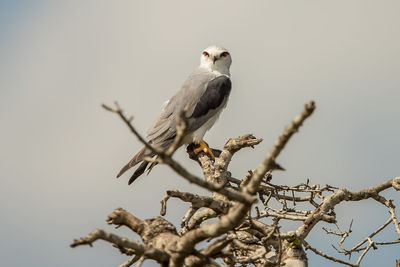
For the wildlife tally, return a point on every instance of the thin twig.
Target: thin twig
(308, 246)
(371, 244)
(131, 261)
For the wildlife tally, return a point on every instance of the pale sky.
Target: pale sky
(60, 152)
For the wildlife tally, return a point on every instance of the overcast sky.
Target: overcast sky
(60, 151)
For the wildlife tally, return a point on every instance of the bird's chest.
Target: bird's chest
(197, 136)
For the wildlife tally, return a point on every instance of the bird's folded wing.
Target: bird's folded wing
(202, 96)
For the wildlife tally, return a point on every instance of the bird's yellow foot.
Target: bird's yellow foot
(203, 146)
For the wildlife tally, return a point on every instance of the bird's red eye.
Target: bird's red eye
(224, 54)
(205, 54)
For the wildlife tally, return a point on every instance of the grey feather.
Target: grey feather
(139, 171)
(144, 152)
(189, 97)
(210, 102)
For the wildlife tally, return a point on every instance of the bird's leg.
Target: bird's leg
(203, 146)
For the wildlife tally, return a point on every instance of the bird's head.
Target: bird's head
(217, 59)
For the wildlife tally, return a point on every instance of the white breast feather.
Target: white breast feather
(197, 136)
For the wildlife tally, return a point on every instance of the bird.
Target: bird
(293, 253)
(201, 99)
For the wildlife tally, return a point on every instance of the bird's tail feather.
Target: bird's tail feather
(135, 160)
(139, 171)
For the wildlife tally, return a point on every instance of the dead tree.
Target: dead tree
(239, 235)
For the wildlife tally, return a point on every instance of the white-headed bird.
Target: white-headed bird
(202, 98)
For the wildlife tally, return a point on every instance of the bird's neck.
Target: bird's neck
(217, 69)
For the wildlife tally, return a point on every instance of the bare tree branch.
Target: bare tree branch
(327, 256)
(178, 168)
(244, 237)
(332, 200)
(269, 160)
(139, 249)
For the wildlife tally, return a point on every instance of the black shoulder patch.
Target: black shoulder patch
(217, 90)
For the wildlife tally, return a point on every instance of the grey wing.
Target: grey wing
(202, 95)
(211, 101)
(161, 129)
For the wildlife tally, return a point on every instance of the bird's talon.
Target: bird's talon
(203, 146)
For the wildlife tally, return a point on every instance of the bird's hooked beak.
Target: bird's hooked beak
(214, 59)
